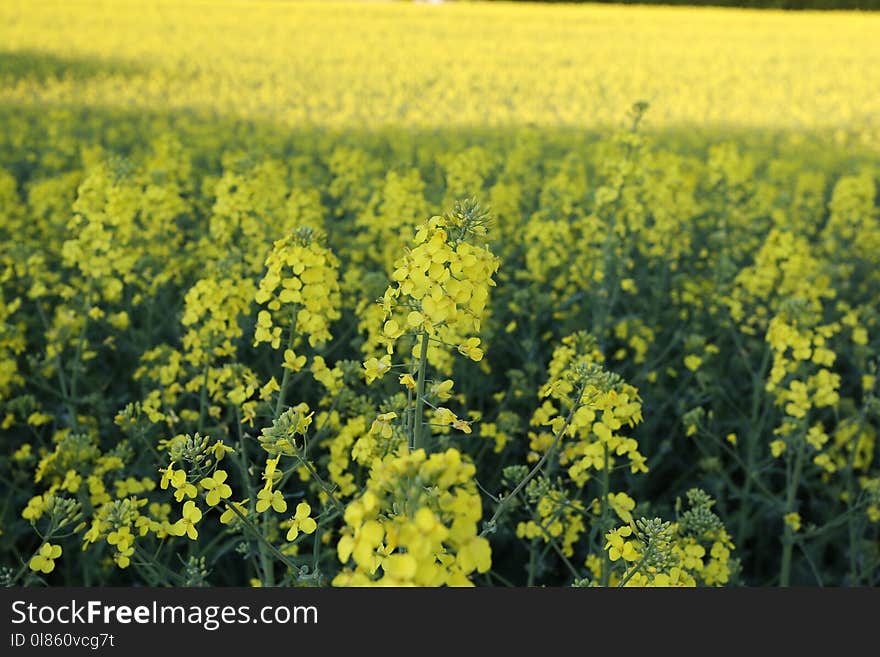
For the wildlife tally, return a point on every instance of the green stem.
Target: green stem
(408, 415)
(755, 430)
(316, 553)
(167, 576)
(550, 539)
(533, 562)
(285, 378)
(418, 440)
(325, 488)
(26, 565)
(80, 347)
(203, 401)
(490, 526)
(60, 370)
(241, 457)
(265, 545)
(603, 518)
(851, 494)
(788, 536)
(831, 525)
(629, 575)
(263, 541)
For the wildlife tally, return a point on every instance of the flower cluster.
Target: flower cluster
(300, 291)
(416, 524)
(441, 287)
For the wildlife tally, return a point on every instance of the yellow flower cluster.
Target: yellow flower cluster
(557, 518)
(300, 290)
(694, 551)
(791, 347)
(212, 310)
(416, 524)
(441, 288)
(598, 404)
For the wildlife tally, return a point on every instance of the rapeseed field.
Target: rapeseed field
(301, 294)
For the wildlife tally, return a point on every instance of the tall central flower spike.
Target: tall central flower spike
(435, 305)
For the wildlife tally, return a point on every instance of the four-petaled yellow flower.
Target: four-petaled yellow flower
(44, 560)
(471, 349)
(267, 390)
(216, 487)
(618, 546)
(362, 546)
(622, 504)
(382, 424)
(301, 522)
(375, 368)
(293, 362)
(182, 487)
(123, 557)
(123, 539)
(187, 524)
(273, 498)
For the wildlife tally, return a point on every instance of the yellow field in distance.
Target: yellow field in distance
(369, 65)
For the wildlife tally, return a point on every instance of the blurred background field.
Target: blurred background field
(372, 65)
(257, 75)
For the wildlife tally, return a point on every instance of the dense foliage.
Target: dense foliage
(255, 330)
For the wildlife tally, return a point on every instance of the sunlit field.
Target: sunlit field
(370, 65)
(400, 294)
